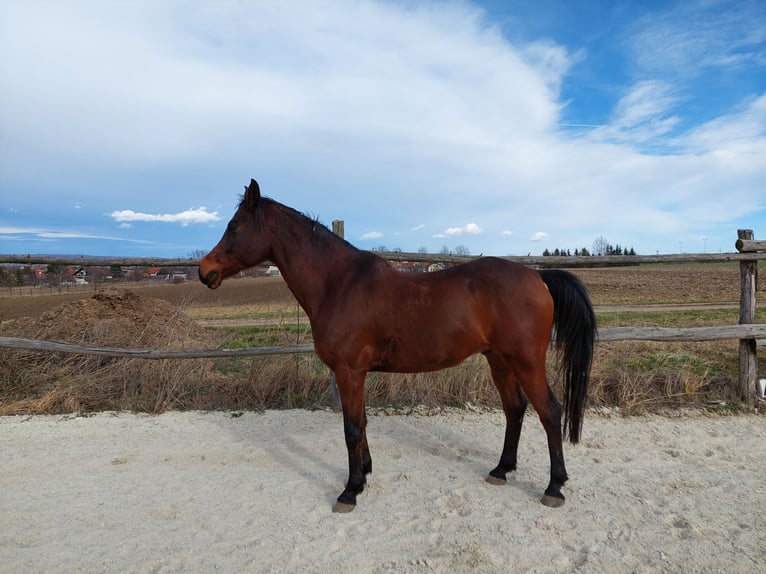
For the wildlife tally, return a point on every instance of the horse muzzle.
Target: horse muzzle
(212, 279)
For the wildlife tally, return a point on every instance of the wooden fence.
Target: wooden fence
(747, 331)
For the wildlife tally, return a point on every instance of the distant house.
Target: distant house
(40, 271)
(153, 273)
(179, 276)
(272, 271)
(78, 275)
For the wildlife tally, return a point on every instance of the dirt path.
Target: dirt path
(198, 492)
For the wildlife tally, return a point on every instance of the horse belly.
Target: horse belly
(421, 351)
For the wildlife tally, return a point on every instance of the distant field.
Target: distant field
(640, 285)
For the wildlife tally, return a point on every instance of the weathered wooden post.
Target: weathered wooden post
(338, 228)
(748, 356)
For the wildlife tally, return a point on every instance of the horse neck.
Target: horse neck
(307, 254)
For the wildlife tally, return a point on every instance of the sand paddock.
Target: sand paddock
(253, 492)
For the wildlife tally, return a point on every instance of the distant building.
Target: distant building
(78, 275)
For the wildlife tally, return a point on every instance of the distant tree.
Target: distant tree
(97, 274)
(600, 246)
(55, 273)
(423, 249)
(546, 253)
(26, 275)
(379, 248)
(10, 277)
(445, 250)
(197, 254)
(115, 271)
(462, 250)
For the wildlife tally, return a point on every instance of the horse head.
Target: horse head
(243, 245)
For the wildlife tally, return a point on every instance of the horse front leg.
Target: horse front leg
(514, 407)
(351, 389)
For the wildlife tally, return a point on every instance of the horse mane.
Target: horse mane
(321, 234)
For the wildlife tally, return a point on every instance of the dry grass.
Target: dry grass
(634, 376)
(33, 382)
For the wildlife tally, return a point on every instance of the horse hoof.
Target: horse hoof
(343, 507)
(496, 481)
(552, 501)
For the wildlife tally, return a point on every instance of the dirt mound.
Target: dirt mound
(114, 318)
(110, 318)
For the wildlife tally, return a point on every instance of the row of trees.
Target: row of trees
(459, 250)
(567, 253)
(601, 246)
(612, 250)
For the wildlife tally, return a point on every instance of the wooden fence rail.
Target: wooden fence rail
(531, 260)
(667, 334)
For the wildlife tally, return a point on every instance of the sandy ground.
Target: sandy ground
(204, 492)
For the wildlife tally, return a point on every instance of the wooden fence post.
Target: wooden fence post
(748, 356)
(338, 228)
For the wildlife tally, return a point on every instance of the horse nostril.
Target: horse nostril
(209, 279)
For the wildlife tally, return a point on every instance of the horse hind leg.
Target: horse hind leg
(548, 409)
(528, 376)
(514, 407)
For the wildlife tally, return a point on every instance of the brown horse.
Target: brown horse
(367, 316)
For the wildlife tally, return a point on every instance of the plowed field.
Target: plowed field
(704, 284)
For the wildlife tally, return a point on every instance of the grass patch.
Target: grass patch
(241, 337)
(247, 312)
(675, 317)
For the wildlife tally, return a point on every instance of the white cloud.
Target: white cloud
(188, 81)
(539, 236)
(642, 114)
(43, 233)
(506, 233)
(470, 228)
(418, 227)
(372, 235)
(190, 216)
(688, 37)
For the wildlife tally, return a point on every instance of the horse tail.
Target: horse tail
(574, 322)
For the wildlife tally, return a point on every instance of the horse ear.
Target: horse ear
(252, 194)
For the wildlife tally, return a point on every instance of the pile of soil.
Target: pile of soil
(113, 317)
(32, 381)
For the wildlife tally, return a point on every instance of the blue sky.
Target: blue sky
(130, 128)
